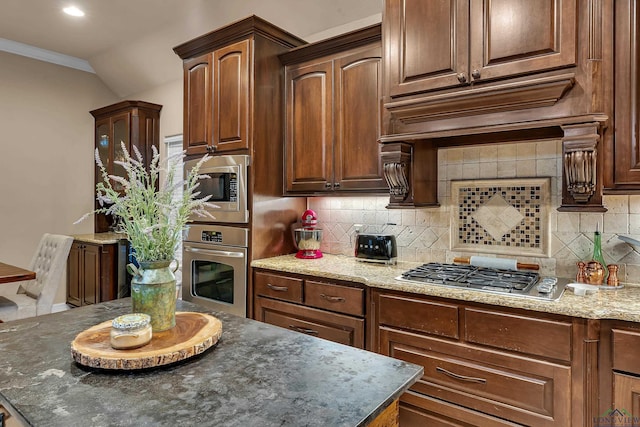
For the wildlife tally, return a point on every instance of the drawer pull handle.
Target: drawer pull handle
(277, 288)
(303, 330)
(461, 377)
(331, 298)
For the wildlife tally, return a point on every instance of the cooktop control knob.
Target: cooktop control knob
(546, 285)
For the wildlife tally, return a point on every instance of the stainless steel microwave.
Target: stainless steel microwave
(227, 185)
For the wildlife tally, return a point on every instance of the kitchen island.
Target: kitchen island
(257, 375)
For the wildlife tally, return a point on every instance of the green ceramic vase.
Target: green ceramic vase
(153, 292)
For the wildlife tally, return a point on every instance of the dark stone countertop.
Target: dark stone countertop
(257, 375)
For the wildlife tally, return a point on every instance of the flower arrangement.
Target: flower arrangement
(144, 210)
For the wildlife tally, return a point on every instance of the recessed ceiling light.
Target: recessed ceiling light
(73, 11)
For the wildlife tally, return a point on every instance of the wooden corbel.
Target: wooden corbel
(582, 168)
(411, 170)
(396, 165)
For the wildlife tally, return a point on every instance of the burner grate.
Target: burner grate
(515, 283)
(473, 277)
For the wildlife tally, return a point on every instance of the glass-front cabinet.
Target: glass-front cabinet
(128, 123)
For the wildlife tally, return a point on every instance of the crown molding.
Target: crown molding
(45, 55)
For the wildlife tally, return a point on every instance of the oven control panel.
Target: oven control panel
(211, 236)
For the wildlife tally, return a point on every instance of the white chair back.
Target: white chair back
(35, 297)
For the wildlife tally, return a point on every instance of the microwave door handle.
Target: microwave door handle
(214, 252)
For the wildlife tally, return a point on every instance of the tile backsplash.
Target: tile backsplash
(424, 234)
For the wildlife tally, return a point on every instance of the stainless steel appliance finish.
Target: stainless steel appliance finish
(227, 186)
(214, 261)
(516, 283)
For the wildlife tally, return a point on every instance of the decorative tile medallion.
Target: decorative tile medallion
(509, 217)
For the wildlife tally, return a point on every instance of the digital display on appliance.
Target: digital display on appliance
(211, 236)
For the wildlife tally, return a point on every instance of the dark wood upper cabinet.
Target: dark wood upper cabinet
(197, 96)
(333, 91)
(357, 93)
(426, 54)
(510, 37)
(229, 76)
(134, 123)
(309, 127)
(216, 99)
(231, 96)
(622, 157)
(439, 44)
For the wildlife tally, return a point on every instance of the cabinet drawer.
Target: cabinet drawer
(625, 351)
(343, 299)
(522, 390)
(424, 316)
(538, 337)
(281, 287)
(417, 410)
(333, 327)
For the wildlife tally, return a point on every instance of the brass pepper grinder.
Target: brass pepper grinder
(613, 275)
(582, 269)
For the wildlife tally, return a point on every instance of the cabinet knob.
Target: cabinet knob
(327, 185)
(462, 78)
(475, 74)
(336, 185)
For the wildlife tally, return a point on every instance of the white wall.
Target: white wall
(46, 152)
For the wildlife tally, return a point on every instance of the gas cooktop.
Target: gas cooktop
(516, 283)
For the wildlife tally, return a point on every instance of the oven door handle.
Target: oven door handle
(227, 254)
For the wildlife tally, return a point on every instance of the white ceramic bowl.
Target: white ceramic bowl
(583, 289)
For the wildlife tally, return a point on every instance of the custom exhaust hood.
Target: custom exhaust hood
(484, 82)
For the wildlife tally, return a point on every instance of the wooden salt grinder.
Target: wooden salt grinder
(612, 280)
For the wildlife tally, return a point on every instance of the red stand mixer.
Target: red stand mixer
(308, 238)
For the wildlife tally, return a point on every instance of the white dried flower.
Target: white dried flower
(151, 218)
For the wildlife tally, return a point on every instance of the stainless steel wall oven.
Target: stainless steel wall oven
(215, 267)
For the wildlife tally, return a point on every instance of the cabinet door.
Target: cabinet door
(358, 90)
(626, 398)
(511, 37)
(426, 45)
(90, 274)
(120, 129)
(309, 131)
(111, 133)
(197, 102)
(231, 81)
(626, 153)
(74, 275)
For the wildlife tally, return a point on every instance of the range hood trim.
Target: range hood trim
(504, 129)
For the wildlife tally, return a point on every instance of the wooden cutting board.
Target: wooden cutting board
(193, 334)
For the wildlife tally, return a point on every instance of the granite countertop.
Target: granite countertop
(623, 304)
(257, 374)
(100, 238)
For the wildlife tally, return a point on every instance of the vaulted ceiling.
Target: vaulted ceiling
(129, 42)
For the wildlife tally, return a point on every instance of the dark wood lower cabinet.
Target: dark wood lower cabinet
(619, 368)
(333, 311)
(92, 273)
(482, 366)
